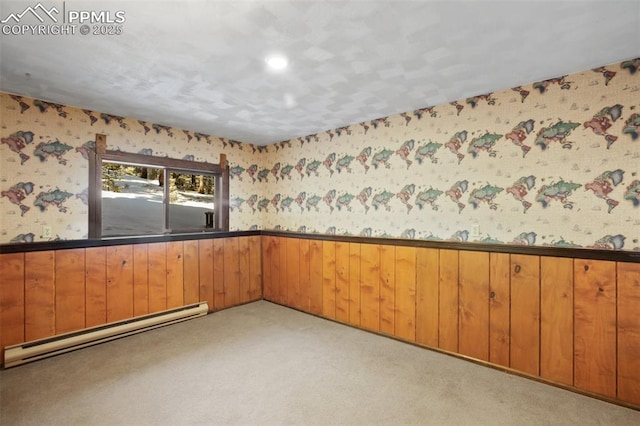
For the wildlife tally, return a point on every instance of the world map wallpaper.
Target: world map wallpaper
(551, 163)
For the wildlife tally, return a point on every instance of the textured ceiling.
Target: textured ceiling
(200, 65)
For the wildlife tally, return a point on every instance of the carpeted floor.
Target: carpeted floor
(263, 364)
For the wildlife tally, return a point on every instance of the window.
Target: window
(141, 195)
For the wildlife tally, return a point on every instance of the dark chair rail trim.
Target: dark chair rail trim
(72, 244)
(579, 253)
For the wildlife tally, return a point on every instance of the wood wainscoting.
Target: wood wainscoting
(44, 293)
(568, 321)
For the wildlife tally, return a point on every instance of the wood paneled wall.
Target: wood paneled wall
(45, 293)
(574, 322)
(569, 321)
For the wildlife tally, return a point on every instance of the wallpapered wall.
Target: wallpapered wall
(44, 164)
(555, 162)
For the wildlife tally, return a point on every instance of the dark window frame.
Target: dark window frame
(220, 172)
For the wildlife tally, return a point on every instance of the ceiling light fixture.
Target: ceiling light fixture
(277, 62)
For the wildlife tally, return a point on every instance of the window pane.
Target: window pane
(131, 200)
(190, 201)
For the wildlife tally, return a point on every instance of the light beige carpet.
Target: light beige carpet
(263, 364)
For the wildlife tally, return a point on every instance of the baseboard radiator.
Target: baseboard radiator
(38, 349)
